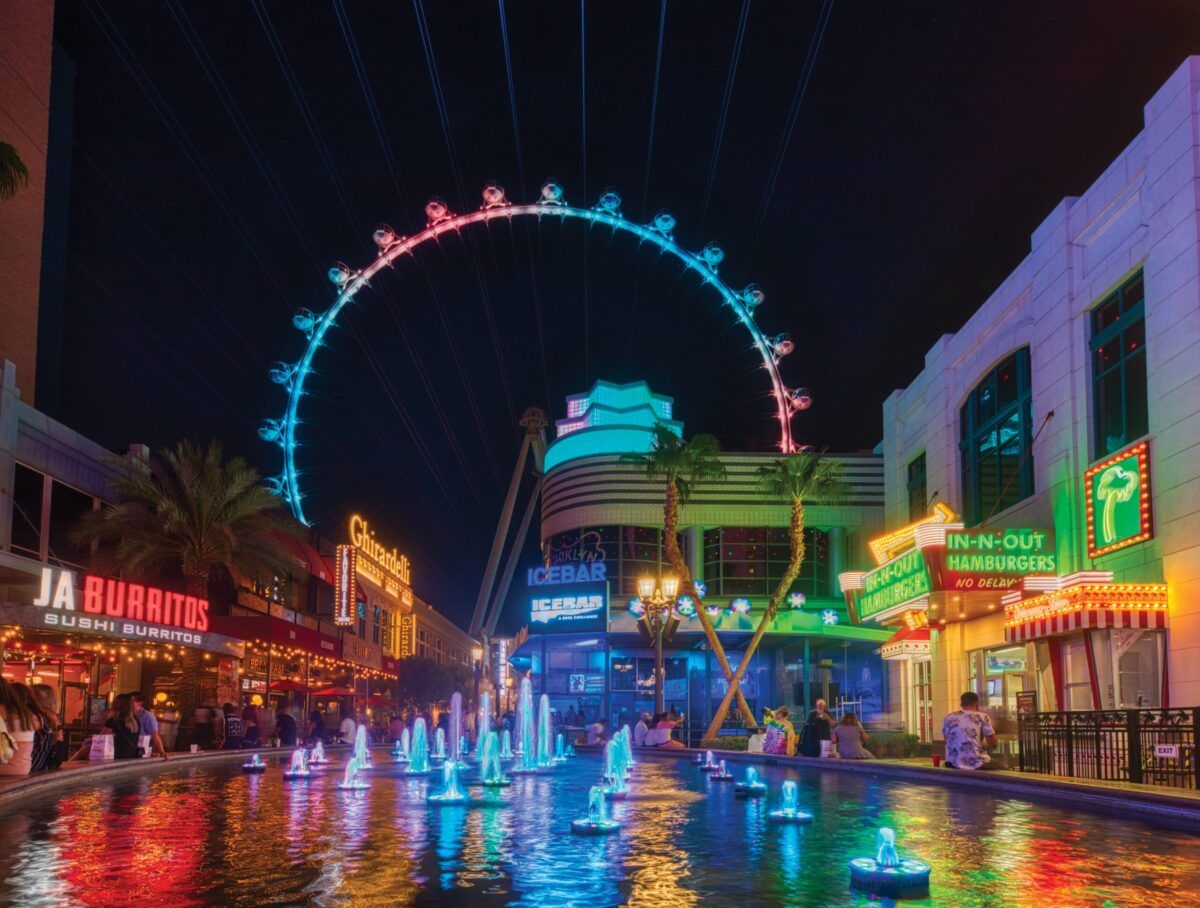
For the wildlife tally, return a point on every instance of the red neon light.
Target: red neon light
(137, 602)
(345, 585)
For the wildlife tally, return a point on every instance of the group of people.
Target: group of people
(656, 730)
(31, 736)
(846, 737)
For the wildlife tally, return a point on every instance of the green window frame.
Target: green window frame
(1118, 348)
(996, 439)
(918, 491)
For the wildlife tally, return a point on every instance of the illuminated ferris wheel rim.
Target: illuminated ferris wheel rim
(496, 207)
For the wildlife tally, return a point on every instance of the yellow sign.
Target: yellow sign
(886, 547)
(407, 632)
(388, 569)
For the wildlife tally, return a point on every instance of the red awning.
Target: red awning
(906, 643)
(270, 629)
(309, 557)
(288, 686)
(333, 692)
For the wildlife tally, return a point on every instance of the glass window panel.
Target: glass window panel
(1108, 355)
(67, 507)
(1109, 407)
(1107, 314)
(1006, 383)
(1133, 293)
(27, 511)
(1136, 419)
(1134, 337)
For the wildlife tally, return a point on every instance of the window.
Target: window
(996, 440)
(27, 512)
(750, 561)
(375, 623)
(67, 507)
(627, 553)
(362, 620)
(1119, 367)
(918, 495)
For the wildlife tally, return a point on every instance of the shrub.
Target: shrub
(893, 744)
(725, 742)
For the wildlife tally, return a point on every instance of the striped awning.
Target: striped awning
(907, 643)
(1082, 619)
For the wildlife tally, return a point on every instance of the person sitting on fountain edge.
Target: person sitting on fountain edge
(968, 733)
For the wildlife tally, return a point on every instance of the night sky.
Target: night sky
(226, 154)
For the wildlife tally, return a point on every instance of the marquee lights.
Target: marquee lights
(886, 547)
(1089, 597)
(497, 207)
(345, 585)
(374, 551)
(1117, 498)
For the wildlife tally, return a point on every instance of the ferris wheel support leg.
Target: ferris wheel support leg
(489, 574)
(514, 555)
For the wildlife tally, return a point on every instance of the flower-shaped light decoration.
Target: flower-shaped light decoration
(636, 608)
(713, 610)
(829, 616)
(700, 587)
(739, 606)
(796, 599)
(685, 607)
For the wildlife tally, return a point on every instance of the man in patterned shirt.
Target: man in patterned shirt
(967, 733)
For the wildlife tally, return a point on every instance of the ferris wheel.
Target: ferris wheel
(496, 206)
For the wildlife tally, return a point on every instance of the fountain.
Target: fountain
(627, 745)
(526, 760)
(545, 733)
(560, 749)
(614, 770)
(721, 774)
(400, 751)
(452, 792)
(418, 761)
(887, 874)
(483, 724)
(489, 764)
(299, 765)
(254, 764)
(351, 781)
(752, 787)
(570, 750)
(506, 745)
(317, 757)
(439, 745)
(464, 749)
(709, 764)
(456, 725)
(597, 821)
(790, 812)
(361, 753)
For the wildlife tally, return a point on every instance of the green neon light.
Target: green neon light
(898, 581)
(1010, 551)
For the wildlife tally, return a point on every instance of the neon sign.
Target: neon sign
(121, 599)
(391, 562)
(578, 607)
(345, 585)
(979, 560)
(899, 581)
(567, 572)
(891, 544)
(1117, 493)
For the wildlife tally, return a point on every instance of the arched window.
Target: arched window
(995, 440)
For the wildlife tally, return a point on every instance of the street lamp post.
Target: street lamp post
(659, 601)
(477, 658)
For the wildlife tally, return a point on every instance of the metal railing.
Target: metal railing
(1150, 746)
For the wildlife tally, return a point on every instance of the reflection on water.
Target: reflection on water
(204, 835)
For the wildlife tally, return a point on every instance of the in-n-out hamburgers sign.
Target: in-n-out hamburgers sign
(118, 608)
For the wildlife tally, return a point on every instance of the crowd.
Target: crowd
(31, 738)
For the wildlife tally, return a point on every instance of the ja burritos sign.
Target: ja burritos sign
(108, 607)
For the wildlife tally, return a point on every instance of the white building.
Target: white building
(1089, 347)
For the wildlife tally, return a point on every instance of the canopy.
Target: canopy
(333, 692)
(288, 685)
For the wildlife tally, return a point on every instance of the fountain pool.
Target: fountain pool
(214, 835)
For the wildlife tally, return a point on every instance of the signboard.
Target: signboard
(408, 630)
(1166, 751)
(79, 622)
(586, 548)
(360, 652)
(900, 580)
(991, 560)
(386, 568)
(345, 585)
(1027, 704)
(120, 599)
(568, 608)
(567, 573)
(1117, 496)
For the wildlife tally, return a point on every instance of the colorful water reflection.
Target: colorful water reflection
(213, 835)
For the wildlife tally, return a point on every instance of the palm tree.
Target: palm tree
(682, 465)
(799, 477)
(192, 513)
(13, 172)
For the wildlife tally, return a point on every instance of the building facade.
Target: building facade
(601, 530)
(1050, 450)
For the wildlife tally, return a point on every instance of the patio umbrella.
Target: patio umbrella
(333, 692)
(377, 700)
(288, 685)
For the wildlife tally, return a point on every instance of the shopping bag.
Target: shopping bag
(144, 745)
(827, 749)
(102, 748)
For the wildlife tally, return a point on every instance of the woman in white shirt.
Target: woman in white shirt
(17, 709)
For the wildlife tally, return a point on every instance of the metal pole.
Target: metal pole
(489, 574)
(514, 555)
(658, 666)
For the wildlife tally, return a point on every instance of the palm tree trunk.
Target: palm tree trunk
(675, 558)
(796, 537)
(196, 580)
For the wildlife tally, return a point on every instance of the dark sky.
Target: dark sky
(212, 187)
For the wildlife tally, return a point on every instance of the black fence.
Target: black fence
(1152, 746)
